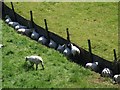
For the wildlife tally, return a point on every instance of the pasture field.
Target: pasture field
(58, 72)
(94, 20)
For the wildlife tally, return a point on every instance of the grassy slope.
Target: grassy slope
(59, 72)
(95, 21)
(0, 55)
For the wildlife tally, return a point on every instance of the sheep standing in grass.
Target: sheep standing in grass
(116, 79)
(7, 19)
(106, 72)
(35, 35)
(42, 40)
(93, 66)
(35, 60)
(52, 44)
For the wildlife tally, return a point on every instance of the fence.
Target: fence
(81, 59)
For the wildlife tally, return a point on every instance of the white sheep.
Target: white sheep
(35, 60)
(13, 24)
(116, 78)
(106, 72)
(74, 50)
(1, 45)
(67, 52)
(35, 35)
(61, 48)
(93, 66)
(52, 44)
(20, 27)
(7, 19)
(42, 40)
(25, 31)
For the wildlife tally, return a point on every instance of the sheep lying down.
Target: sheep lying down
(35, 60)
(116, 79)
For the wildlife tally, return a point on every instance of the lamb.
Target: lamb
(42, 40)
(116, 79)
(106, 72)
(35, 35)
(13, 24)
(52, 44)
(25, 31)
(7, 19)
(67, 52)
(74, 50)
(20, 27)
(93, 66)
(35, 60)
(61, 48)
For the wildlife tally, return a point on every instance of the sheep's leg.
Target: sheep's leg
(36, 66)
(42, 65)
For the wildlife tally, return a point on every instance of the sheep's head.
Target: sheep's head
(96, 63)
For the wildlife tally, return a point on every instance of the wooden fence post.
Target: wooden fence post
(68, 36)
(15, 18)
(31, 19)
(90, 50)
(2, 12)
(46, 28)
(115, 57)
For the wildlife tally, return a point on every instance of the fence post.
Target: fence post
(115, 57)
(68, 36)
(46, 28)
(31, 19)
(2, 12)
(15, 18)
(90, 50)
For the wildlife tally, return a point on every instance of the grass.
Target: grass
(58, 73)
(95, 21)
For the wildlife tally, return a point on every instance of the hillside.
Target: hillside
(95, 21)
(58, 73)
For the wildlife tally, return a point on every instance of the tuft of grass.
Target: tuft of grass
(58, 73)
(97, 21)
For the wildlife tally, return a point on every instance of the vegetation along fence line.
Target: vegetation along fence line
(81, 59)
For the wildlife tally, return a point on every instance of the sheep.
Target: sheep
(25, 31)
(74, 50)
(61, 48)
(13, 24)
(1, 45)
(42, 40)
(93, 66)
(67, 52)
(35, 60)
(106, 72)
(52, 44)
(116, 79)
(35, 35)
(20, 27)
(7, 19)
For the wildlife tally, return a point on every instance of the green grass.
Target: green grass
(58, 73)
(95, 21)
